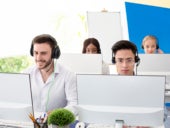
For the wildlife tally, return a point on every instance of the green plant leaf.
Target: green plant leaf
(61, 117)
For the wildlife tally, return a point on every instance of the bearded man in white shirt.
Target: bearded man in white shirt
(53, 86)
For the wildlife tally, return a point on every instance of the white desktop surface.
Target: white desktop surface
(10, 123)
(110, 126)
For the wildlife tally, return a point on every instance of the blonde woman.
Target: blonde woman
(150, 45)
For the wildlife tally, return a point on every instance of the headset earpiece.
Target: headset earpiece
(137, 59)
(56, 52)
(31, 50)
(113, 60)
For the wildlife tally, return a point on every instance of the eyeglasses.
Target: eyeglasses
(128, 61)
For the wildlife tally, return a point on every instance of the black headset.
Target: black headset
(55, 51)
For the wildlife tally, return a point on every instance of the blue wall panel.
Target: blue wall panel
(144, 19)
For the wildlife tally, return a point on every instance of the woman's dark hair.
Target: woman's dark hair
(93, 41)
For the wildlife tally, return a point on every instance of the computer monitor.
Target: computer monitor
(154, 64)
(15, 97)
(108, 99)
(82, 63)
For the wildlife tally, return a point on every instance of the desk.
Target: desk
(109, 126)
(167, 125)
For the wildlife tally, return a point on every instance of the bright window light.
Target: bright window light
(22, 20)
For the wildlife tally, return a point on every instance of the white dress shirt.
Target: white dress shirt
(57, 92)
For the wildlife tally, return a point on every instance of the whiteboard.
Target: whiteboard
(106, 27)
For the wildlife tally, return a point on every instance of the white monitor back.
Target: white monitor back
(154, 64)
(137, 100)
(82, 63)
(15, 97)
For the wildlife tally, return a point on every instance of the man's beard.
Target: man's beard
(47, 65)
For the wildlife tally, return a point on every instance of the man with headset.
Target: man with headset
(124, 56)
(52, 85)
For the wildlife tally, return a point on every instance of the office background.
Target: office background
(21, 22)
(66, 21)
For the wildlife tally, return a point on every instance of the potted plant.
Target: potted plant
(60, 118)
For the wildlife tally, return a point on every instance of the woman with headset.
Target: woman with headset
(150, 45)
(53, 86)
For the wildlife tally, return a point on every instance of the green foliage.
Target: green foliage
(14, 64)
(61, 117)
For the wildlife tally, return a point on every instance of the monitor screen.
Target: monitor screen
(135, 100)
(82, 63)
(15, 97)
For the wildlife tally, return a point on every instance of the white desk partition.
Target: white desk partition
(134, 100)
(15, 97)
(82, 63)
(154, 64)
